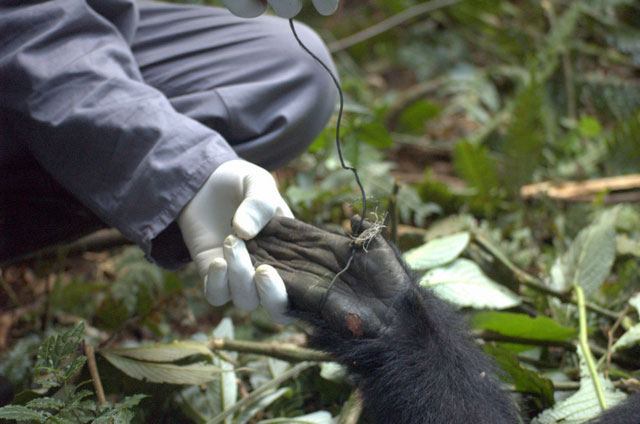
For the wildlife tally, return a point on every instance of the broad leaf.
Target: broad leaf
(463, 283)
(20, 413)
(521, 325)
(154, 372)
(437, 252)
(162, 352)
(582, 405)
(590, 257)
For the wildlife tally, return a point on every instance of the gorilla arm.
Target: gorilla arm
(408, 351)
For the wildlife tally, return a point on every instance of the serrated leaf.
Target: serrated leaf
(74, 367)
(463, 284)
(437, 252)
(153, 372)
(319, 417)
(20, 413)
(521, 325)
(46, 403)
(590, 257)
(168, 352)
(630, 338)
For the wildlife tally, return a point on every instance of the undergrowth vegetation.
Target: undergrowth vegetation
(502, 140)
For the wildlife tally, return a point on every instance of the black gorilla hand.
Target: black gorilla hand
(361, 300)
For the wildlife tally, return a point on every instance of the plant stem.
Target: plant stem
(284, 351)
(352, 408)
(584, 345)
(95, 376)
(292, 372)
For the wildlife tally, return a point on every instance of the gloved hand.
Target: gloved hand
(284, 8)
(361, 302)
(239, 197)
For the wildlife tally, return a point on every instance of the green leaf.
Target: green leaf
(46, 403)
(163, 352)
(521, 325)
(437, 252)
(119, 413)
(524, 138)
(525, 381)
(21, 413)
(473, 163)
(74, 367)
(154, 372)
(374, 134)
(463, 284)
(590, 257)
(228, 387)
(415, 117)
(589, 126)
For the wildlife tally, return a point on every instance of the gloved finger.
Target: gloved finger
(325, 7)
(245, 8)
(251, 216)
(204, 259)
(283, 210)
(286, 8)
(272, 293)
(216, 287)
(240, 273)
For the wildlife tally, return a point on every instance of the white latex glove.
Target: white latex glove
(284, 8)
(238, 198)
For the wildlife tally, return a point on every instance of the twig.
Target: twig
(352, 408)
(584, 345)
(611, 332)
(284, 351)
(570, 190)
(292, 372)
(93, 370)
(389, 23)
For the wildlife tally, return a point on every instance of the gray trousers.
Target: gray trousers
(244, 78)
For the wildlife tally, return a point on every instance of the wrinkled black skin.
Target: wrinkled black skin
(409, 352)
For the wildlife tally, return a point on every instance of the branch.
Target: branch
(389, 23)
(284, 351)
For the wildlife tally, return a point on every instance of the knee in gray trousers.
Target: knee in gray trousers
(248, 79)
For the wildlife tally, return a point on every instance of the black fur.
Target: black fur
(626, 413)
(423, 370)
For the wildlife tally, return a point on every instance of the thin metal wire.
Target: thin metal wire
(342, 163)
(338, 123)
